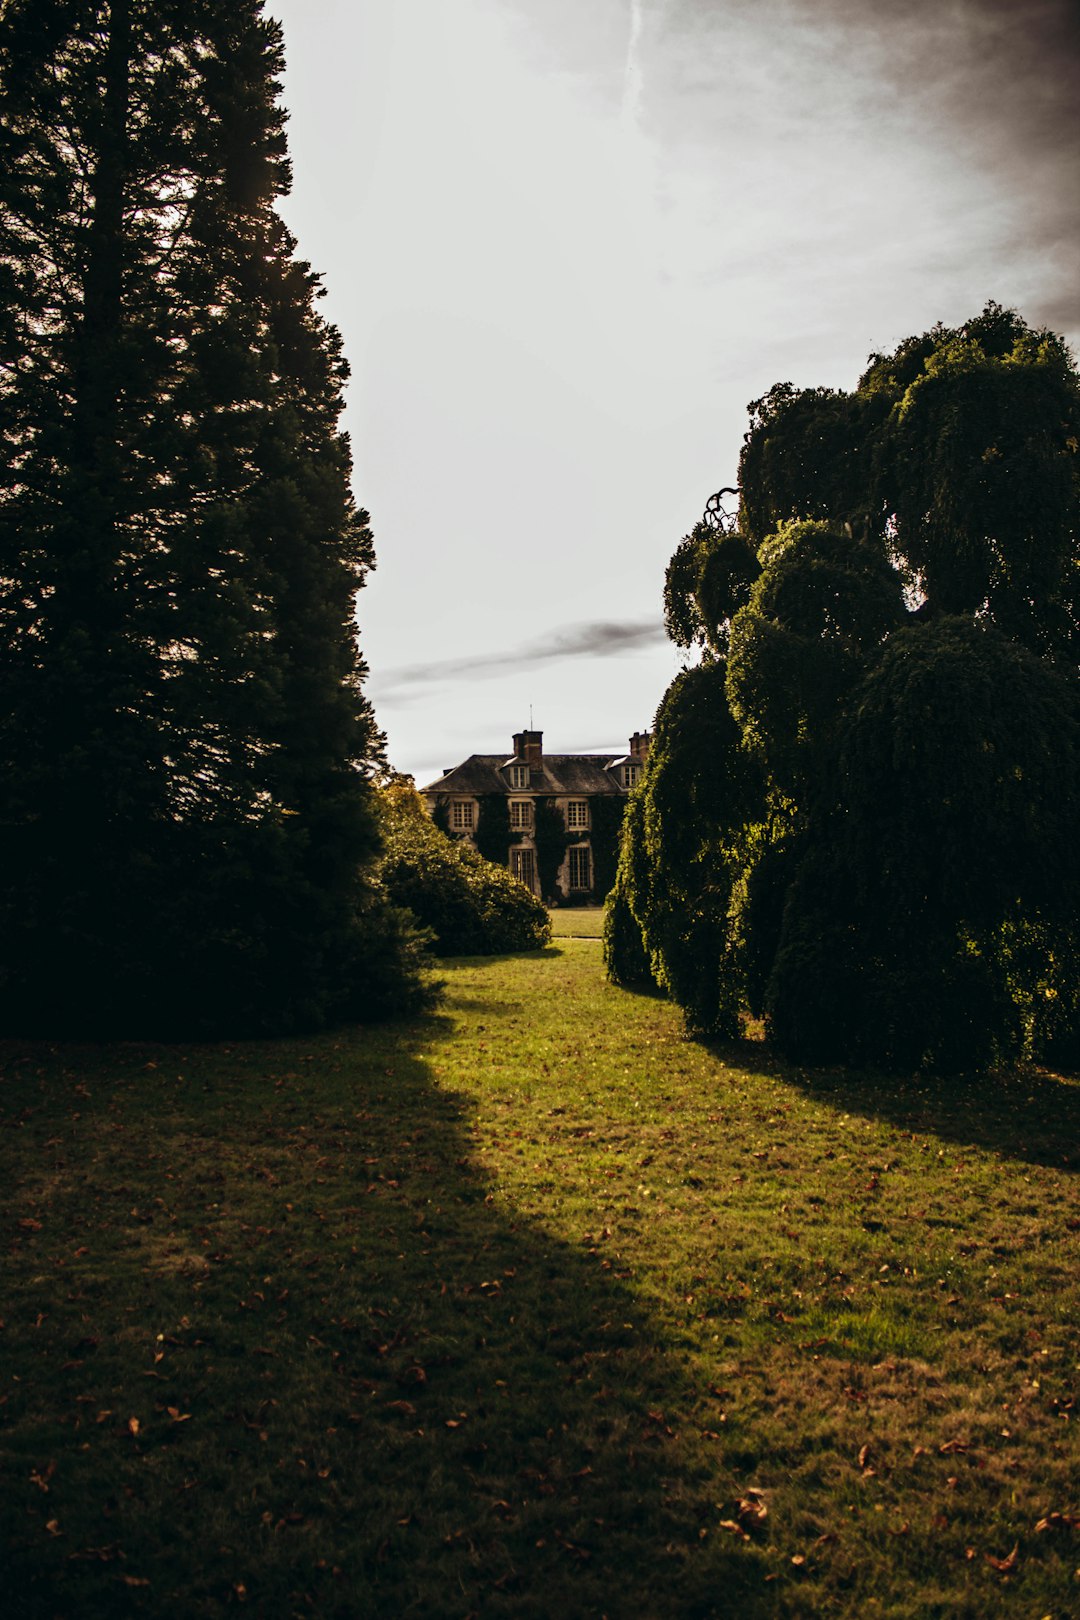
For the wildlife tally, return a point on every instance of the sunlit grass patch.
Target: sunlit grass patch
(873, 1333)
(577, 922)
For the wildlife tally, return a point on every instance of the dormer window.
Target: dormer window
(630, 774)
(519, 776)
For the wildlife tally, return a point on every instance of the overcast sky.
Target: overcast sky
(567, 241)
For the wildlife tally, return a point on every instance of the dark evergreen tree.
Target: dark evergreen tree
(185, 748)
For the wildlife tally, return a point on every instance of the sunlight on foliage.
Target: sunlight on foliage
(858, 814)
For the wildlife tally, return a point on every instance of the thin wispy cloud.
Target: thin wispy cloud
(632, 77)
(601, 639)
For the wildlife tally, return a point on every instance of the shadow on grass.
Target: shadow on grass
(273, 1339)
(1029, 1115)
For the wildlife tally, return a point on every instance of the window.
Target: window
(630, 774)
(580, 867)
(577, 813)
(520, 814)
(519, 776)
(461, 815)
(521, 865)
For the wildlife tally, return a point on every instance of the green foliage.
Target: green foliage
(471, 906)
(808, 454)
(947, 860)
(185, 749)
(817, 616)
(981, 478)
(708, 580)
(552, 840)
(678, 864)
(493, 836)
(901, 886)
(961, 758)
(605, 823)
(961, 450)
(440, 814)
(760, 899)
(626, 956)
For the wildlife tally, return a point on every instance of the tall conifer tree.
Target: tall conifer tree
(185, 748)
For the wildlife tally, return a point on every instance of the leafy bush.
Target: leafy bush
(471, 906)
(678, 866)
(625, 957)
(859, 809)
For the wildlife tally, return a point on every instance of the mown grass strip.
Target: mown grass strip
(577, 922)
(533, 1308)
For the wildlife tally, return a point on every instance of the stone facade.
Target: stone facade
(527, 777)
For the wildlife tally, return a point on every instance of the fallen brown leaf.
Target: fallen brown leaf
(1004, 1566)
(752, 1511)
(1058, 1521)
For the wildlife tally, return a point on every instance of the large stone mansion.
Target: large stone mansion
(569, 782)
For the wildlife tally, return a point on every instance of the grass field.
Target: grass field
(533, 1308)
(577, 922)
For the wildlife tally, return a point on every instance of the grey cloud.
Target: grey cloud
(982, 91)
(990, 86)
(602, 639)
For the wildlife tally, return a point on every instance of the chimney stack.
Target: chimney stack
(639, 745)
(529, 746)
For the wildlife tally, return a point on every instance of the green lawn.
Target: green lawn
(533, 1308)
(577, 922)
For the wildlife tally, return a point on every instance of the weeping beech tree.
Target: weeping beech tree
(892, 638)
(185, 747)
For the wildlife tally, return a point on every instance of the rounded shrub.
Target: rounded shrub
(471, 906)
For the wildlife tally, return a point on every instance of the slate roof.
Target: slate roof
(560, 773)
